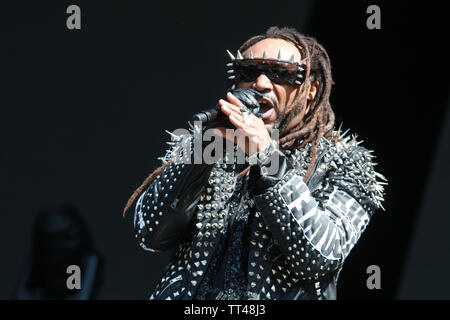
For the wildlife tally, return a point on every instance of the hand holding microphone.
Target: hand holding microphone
(240, 112)
(213, 118)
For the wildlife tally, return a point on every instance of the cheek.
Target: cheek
(291, 95)
(282, 97)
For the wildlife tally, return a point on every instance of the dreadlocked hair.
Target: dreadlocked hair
(297, 129)
(141, 188)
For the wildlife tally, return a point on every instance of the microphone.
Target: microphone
(214, 117)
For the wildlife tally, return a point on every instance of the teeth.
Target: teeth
(264, 104)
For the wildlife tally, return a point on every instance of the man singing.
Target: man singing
(243, 231)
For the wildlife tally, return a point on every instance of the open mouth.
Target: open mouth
(266, 107)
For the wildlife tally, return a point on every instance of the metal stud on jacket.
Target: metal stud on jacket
(301, 233)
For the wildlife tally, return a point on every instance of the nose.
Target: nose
(262, 83)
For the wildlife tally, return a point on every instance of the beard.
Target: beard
(288, 118)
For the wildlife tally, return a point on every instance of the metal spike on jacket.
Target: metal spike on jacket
(301, 232)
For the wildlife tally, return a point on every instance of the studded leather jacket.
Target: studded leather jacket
(297, 234)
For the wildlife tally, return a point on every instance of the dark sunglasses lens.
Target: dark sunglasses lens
(246, 73)
(284, 74)
(280, 74)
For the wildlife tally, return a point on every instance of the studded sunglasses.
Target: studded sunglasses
(277, 70)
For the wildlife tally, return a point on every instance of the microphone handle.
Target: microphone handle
(213, 118)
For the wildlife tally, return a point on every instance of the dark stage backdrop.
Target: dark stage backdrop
(83, 114)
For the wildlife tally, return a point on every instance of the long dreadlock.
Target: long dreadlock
(296, 128)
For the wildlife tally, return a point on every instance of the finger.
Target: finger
(229, 105)
(249, 120)
(228, 111)
(234, 100)
(237, 122)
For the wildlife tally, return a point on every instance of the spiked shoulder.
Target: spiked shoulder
(181, 146)
(345, 164)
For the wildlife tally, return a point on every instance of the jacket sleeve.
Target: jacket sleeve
(164, 210)
(316, 233)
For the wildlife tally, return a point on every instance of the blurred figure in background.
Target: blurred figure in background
(60, 239)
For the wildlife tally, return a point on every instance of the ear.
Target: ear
(311, 95)
(313, 90)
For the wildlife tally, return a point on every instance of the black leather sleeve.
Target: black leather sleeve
(164, 211)
(262, 177)
(316, 234)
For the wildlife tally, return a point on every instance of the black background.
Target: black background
(83, 114)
